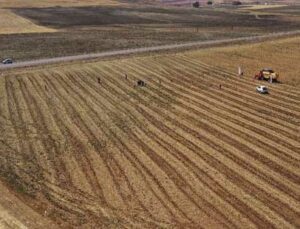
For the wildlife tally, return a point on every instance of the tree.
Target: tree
(236, 3)
(209, 2)
(196, 4)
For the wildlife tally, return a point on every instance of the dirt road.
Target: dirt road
(145, 49)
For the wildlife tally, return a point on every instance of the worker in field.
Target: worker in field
(220, 86)
(240, 71)
(99, 80)
(126, 77)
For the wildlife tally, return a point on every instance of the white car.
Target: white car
(7, 61)
(262, 89)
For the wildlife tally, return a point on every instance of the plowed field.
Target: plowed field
(90, 148)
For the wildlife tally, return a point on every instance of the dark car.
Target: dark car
(7, 61)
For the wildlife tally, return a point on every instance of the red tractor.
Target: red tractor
(267, 74)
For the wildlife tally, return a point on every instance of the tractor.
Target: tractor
(267, 74)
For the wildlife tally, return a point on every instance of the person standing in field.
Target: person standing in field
(240, 71)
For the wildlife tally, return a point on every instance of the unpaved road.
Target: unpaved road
(145, 49)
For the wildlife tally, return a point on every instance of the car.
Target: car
(262, 89)
(7, 61)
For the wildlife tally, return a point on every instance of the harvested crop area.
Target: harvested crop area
(10, 23)
(84, 145)
(281, 55)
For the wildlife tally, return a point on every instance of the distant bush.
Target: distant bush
(196, 4)
(209, 2)
(236, 3)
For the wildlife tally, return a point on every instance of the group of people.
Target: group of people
(240, 73)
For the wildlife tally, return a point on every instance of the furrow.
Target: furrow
(108, 120)
(83, 97)
(262, 206)
(231, 88)
(136, 136)
(177, 124)
(98, 166)
(30, 152)
(86, 117)
(288, 98)
(70, 131)
(200, 101)
(77, 176)
(44, 132)
(207, 87)
(98, 97)
(285, 107)
(276, 176)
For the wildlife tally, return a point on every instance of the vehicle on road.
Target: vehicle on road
(262, 89)
(7, 61)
